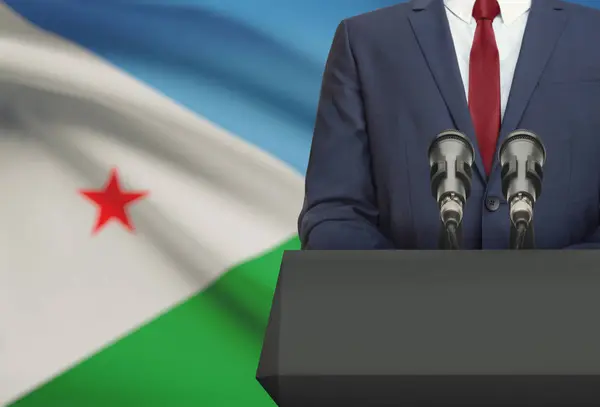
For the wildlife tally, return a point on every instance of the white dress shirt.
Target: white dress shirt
(509, 28)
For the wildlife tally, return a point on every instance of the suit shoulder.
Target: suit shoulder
(581, 12)
(380, 17)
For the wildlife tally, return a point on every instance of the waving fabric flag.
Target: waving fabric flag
(151, 167)
(213, 202)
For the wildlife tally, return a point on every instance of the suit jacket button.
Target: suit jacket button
(492, 203)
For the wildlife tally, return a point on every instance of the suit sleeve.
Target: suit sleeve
(591, 242)
(340, 211)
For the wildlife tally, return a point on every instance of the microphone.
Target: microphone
(522, 156)
(450, 160)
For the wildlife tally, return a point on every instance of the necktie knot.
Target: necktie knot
(486, 10)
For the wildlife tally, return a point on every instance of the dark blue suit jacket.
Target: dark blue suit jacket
(392, 83)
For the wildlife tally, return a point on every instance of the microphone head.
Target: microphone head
(522, 156)
(450, 159)
(524, 145)
(451, 143)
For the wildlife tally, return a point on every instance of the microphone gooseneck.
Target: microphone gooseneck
(522, 156)
(453, 241)
(520, 234)
(450, 160)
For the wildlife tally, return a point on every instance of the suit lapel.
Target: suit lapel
(430, 25)
(545, 24)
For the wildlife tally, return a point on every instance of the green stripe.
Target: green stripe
(202, 353)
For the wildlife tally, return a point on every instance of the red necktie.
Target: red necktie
(484, 81)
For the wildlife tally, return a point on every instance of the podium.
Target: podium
(434, 328)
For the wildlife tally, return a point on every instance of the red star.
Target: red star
(112, 202)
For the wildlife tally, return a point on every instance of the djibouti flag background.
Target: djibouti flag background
(152, 155)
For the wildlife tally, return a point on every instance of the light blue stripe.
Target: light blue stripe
(254, 69)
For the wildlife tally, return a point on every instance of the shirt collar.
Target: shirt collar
(510, 10)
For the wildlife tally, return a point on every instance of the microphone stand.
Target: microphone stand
(450, 236)
(522, 237)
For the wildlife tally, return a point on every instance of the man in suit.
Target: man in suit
(398, 76)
